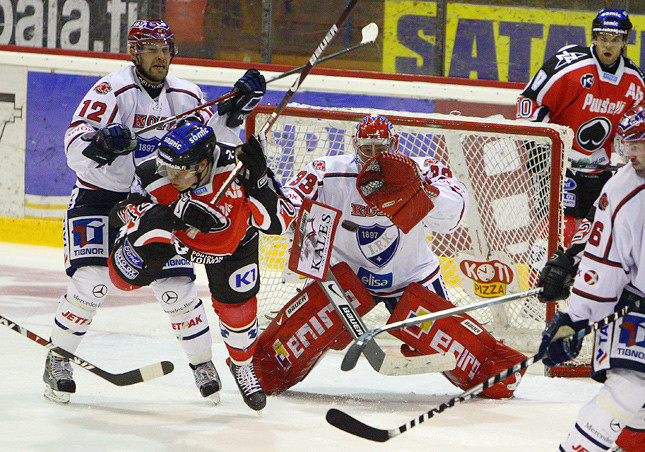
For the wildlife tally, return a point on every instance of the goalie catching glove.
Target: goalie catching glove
(393, 184)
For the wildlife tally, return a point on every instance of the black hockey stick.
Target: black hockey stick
(292, 91)
(365, 339)
(349, 424)
(595, 166)
(380, 361)
(285, 100)
(125, 379)
(369, 34)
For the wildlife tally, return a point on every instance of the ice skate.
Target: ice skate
(249, 386)
(207, 380)
(59, 383)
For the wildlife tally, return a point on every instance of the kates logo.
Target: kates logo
(490, 278)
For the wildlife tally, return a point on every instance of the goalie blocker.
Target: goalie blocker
(307, 327)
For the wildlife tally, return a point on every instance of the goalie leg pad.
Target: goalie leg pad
(479, 355)
(304, 329)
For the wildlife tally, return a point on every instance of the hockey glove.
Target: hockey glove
(250, 91)
(560, 340)
(556, 277)
(392, 183)
(108, 143)
(253, 156)
(199, 215)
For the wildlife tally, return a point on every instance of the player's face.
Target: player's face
(609, 47)
(635, 153)
(154, 60)
(183, 179)
(367, 151)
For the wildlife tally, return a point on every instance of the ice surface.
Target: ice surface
(168, 414)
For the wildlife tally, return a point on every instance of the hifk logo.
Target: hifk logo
(87, 232)
(103, 88)
(378, 244)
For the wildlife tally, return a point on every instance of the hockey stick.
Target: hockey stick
(186, 113)
(354, 351)
(125, 379)
(595, 166)
(289, 95)
(283, 103)
(380, 361)
(369, 34)
(349, 424)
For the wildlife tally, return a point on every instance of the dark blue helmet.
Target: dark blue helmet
(611, 21)
(186, 145)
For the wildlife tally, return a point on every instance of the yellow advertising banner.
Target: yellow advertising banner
(487, 42)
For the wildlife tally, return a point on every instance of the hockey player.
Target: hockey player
(172, 195)
(609, 266)
(102, 149)
(588, 89)
(387, 254)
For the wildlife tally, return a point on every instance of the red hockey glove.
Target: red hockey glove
(392, 183)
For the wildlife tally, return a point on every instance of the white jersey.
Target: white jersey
(614, 257)
(614, 260)
(384, 258)
(120, 98)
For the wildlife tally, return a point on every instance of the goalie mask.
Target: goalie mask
(374, 134)
(186, 154)
(146, 32)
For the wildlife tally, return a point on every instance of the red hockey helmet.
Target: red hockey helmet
(630, 132)
(632, 126)
(145, 31)
(375, 131)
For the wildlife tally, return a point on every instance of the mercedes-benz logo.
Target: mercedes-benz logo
(100, 291)
(169, 297)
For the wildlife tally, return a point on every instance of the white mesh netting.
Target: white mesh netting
(514, 219)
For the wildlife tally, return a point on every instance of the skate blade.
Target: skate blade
(214, 398)
(56, 396)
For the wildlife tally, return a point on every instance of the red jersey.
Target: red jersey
(573, 89)
(268, 211)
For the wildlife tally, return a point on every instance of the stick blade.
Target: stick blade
(369, 33)
(347, 423)
(351, 357)
(142, 374)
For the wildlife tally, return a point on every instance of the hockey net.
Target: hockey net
(514, 172)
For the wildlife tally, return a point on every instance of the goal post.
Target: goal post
(514, 172)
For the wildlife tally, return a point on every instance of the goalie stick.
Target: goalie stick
(365, 339)
(380, 361)
(124, 379)
(349, 424)
(310, 255)
(595, 166)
